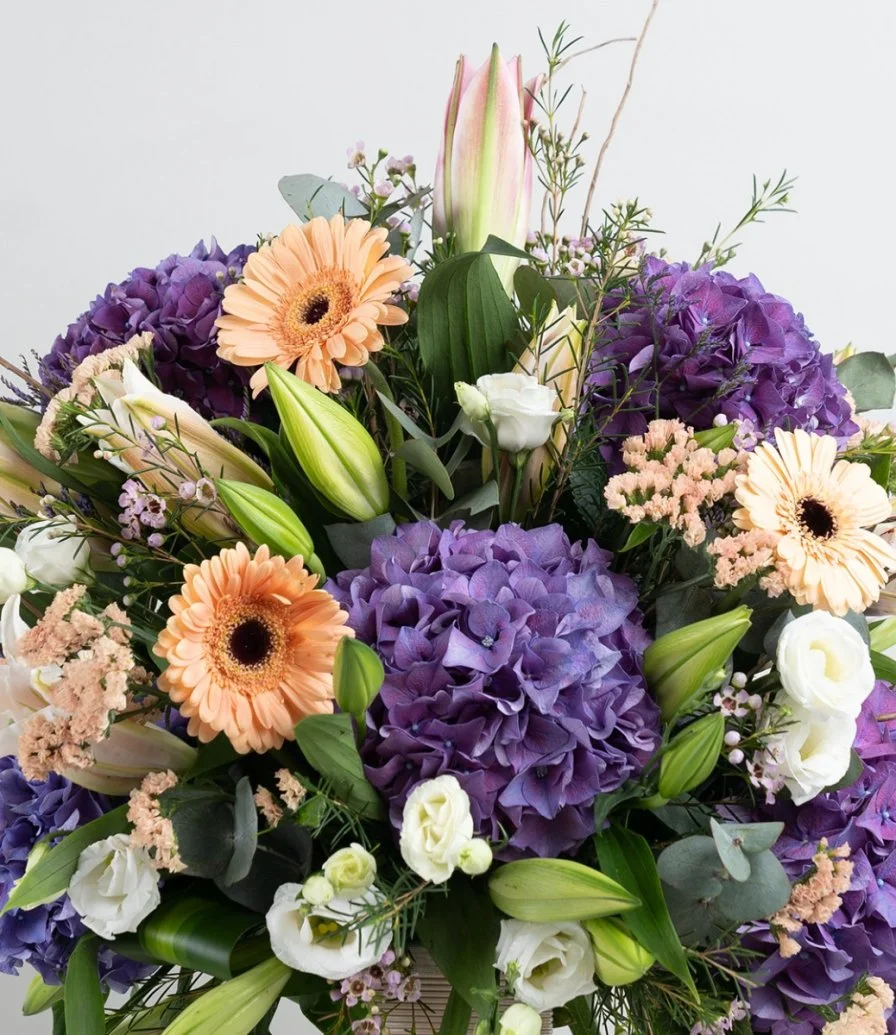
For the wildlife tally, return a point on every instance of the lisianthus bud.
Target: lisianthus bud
(619, 959)
(692, 755)
(472, 402)
(556, 890)
(520, 1019)
(677, 665)
(358, 675)
(335, 451)
(350, 870)
(318, 890)
(265, 518)
(522, 411)
(476, 857)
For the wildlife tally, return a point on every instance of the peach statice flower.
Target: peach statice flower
(745, 554)
(152, 830)
(867, 1011)
(292, 791)
(312, 298)
(268, 807)
(250, 647)
(820, 511)
(671, 478)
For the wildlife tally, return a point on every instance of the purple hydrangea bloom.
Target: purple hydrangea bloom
(693, 343)
(860, 938)
(179, 302)
(45, 936)
(513, 662)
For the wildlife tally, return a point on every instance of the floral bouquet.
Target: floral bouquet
(477, 631)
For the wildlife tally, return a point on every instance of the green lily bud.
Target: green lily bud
(335, 451)
(692, 755)
(358, 675)
(717, 438)
(265, 518)
(556, 890)
(618, 958)
(677, 665)
(40, 996)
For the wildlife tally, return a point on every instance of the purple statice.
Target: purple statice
(45, 936)
(513, 662)
(695, 343)
(859, 940)
(179, 301)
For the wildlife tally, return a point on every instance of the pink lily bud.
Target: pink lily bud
(483, 179)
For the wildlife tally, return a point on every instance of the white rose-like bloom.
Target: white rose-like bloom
(13, 577)
(115, 886)
(436, 828)
(555, 962)
(292, 924)
(813, 752)
(520, 1019)
(54, 553)
(824, 664)
(522, 410)
(350, 870)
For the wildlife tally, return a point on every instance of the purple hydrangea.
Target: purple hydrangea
(513, 662)
(179, 302)
(45, 936)
(859, 939)
(693, 343)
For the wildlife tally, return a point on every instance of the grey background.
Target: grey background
(132, 130)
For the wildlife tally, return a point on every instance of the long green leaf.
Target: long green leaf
(48, 879)
(328, 744)
(627, 858)
(40, 463)
(884, 666)
(245, 833)
(456, 1018)
(424, 458)
(84, 1000)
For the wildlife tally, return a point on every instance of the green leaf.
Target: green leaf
(754, 837)
(194, 812)
(465, 322)
(605, 803)
(40, 996)
(733, 857)
(245, 833)
(352, 539)
(424, 458)
(328, 744)
(639, 534)
(870, 378)
(84, 999)
(49, 877)
(286, 473)
(58, 1018)
(309, 196)
(456, 1018)
(855, 770)
(282, 856)
(38, 461)
(535, 294)
(403, 419)
(476, 502)
(627, 858)
(216, 754)
(446, 930)
(765, 892)
(693, 867)
(578, 1016)
(497, 246)
(884, 667)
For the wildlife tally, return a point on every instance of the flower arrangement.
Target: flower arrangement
(477, 632)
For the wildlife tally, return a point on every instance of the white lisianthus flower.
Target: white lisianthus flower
(519, 1019)
(813, 752)
(553, 963)
(54, 553)
(522, 410)
(824, 664)
(350, 870)
(13, 577)
(319, 939)
(436, 827)
(115, 886)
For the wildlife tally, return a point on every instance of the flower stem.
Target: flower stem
(519, 466)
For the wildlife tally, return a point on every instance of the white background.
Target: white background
(131, 130)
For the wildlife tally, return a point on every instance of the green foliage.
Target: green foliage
(351, 540)
(196, 812)
(870, 379)
(84, 999)
(456, 1018)
(309, 196)
(245, 834)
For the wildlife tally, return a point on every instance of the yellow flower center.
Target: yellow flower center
(315, 310)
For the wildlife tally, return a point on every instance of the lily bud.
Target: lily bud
(677, 665)
(618, 958)
(692, 755)
(556, 890)
(21, 486)
(335, 451)
(483, 182)
(358, 675)
(132, 750)
(266, 518)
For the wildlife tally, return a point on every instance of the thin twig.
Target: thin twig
(616, 116)
(25, 376)
(597, 46)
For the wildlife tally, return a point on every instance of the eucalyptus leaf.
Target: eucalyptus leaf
(283, 856)
(870, 379)
(245, 833)
(733, 857)
(424, 458)
(194, 813)
(680, 606)
(696, 920)
(754, 837)
(84, 998)
(693, 867)
(765, 891)
(328, 744)
(309, 196)
(351, 540)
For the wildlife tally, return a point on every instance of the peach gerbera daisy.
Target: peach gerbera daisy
(819, 510)
(313, 298)
(250, 646)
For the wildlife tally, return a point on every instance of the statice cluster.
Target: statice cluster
(859, 940)
(45, 936)
(513, 662)
(178, 302)
(696, 343)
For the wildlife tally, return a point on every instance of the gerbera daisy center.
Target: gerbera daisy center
(251, 642)
(815, 518)
(316, 310)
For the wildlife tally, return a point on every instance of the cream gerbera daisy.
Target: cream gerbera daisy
(250, 646)
(312, 298)
(820, 510)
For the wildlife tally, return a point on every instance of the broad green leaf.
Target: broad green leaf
(351, 540)
(59, 1018)
(639, 534)
(627, 858)
(765, 891)
(733, 857)
(476, 502)
(717, 439)
(84, 999)
(245, 833)
(403, 419)
(424, 458)
(50, 876)
(870, 379)
(465, 322)
(497, 246)
(286, 473)
(578, 1016)
(282, 856)
(194, 812)
(460, 930)
(535, 294)
(605, 803)
(309, 196)
(884, 666)
(328, 744)
(216, 754)
(40, 996)
(456, 1018)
